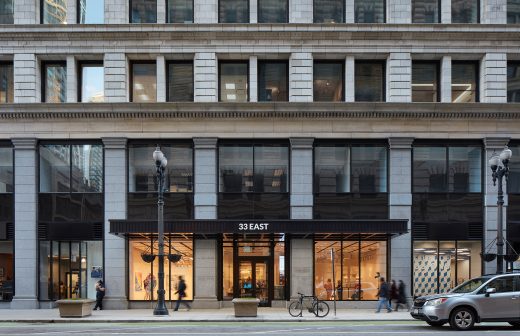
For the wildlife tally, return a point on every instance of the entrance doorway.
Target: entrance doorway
(253, 280)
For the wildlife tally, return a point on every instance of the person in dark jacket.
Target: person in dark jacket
(394, 294)
(384, 296)
(100, 294)
(402, 296)
(181, 291)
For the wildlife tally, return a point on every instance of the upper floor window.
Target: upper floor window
(441, 169)
(143, 11)
(513, 82)
(425, 83)
(6, 12)
(91, 11)
(513, 181)
(426, 11)
(6, 170)
(71, 168)
(144, 82)
(54, 81)
(54, 11)
(273, 81)
(233, 83)
(92, 82)
(180, 11)
(465, 11)
(273, 11)
(513, 11)
(340, 168)
(369, 81)
(180, 81)
(233, 11)
(464, 82)
(6, 83)
(329, 11)
(369, 11)
(328, 81)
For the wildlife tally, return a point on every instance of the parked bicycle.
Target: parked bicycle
(309, 302)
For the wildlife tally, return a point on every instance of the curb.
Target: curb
(79, 320)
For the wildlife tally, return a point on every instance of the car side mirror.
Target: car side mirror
(490, 291)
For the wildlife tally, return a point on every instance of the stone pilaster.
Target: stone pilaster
(446, 79)
(494, 11)
(300, 11)
(161, 11)
(493, 78)
(205, 68)
(25, 78)
(205, 11)
(253, 78)
(72, 80)
(399, 78)
(26, 12)
(302, 260)
(116, 11)
(116, 70)
(71, 11)
(350, 88)
(162, 94)
(399, 11)
(253, 11)
(445, 11)
(300, 77)
(349, 11)
(301, 178)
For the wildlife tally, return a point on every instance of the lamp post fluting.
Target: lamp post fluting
(499, 165)
(160, 164)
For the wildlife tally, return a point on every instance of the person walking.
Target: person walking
(394, 294)
(402, 296)
(100, 294)
(384, 296)
(181, 291)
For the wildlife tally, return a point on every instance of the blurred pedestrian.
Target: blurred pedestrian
(100, 294)
(181, 291)
(402, 296)
(384, 296)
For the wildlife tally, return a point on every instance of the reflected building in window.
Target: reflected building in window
(54, 11)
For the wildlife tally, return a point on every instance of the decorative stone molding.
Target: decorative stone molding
(400, 143)
(24, 143)
(301, 143)
(114, 143)
(496, 143)
(205, 143)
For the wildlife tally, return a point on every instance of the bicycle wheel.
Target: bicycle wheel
(295, 308)
(320, 309)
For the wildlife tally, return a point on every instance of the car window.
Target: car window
(502, 285)
(517, 283)
(470, 285)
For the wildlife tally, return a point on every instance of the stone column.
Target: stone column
(115, 208)
(300, 77)
(72, 80)
(205, 68)
(205, 250)
(116, 12)
(253, 78)
(205, 11)
(446, 79)
(349, 11)
(399, 11)
(494, 11)
(161, 11)
(490, 200)
(445, 11)
(116, 70)
(302, 261)
(25, 79)
(350, 77)
(71, 12)
(401, 208)
(300, 11)
(161, 80)
(493, 78)
(26, 12)
(399, 78)
(253, 11)
(25, 226)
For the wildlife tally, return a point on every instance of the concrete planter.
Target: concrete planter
(75, 308)
(246, 307)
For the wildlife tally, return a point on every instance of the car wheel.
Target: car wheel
(515, 324)
(436, 323)
(462, 319)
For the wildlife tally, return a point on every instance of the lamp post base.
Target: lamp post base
(160, 311)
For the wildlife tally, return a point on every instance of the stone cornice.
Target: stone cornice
(205, 143)
(24, 143)
(114, 143)
(400, 143)
(301, 143)
(496, 143)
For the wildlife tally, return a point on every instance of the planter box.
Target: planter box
(75, 308)
(246, 307)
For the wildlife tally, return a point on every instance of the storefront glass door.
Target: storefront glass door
(253, 280)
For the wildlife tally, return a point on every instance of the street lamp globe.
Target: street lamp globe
(494, 162)
(158, 155)
(164, 162)
(506, 155)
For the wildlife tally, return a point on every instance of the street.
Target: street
(390, 328)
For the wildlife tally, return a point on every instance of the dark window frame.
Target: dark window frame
(286, 11)
(515, 63)
(383, 77)
(343, 83)
(220, 74)
(477, 78)
(43, 80)
(168, 10)
(438, 74)
(130, 13)
(439, 13)
(478, 14)
(7, 63)
(131, 81)
(385, 16)
(9, 144)
(314, 13)
(78, 16)
(12, 13)
(168, 63)
(248, 14)
(82, 64)
(286, 62)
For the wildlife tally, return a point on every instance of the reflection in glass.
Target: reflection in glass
(513, 181)
(180, 11)
(465, 169)
(55, 83)
(233, 81)
(465, 11)
(227, 269)
(464, 82)
(425, 11)
(328, 81)
(87, 168)
(279, 270)
(180, 81)
(513, 11)
(329, 11)
(272, 11)
(369, 169)
(332, 169)
(233, 11)
(424, 82)
(143, 11)
(369, 11)
(236, 168)
(6, 170)
(272, 81)
(54, 168)
(513, 82)
(92, 83)
(369, 81)
(429, 169)
(144, 83)
(271, 164)
(6, 13)
(6, 83)
(54, 11)
(91, 11)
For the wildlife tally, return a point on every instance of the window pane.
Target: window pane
(143, 11)
(279, 270)
(55, 83)
(465, 169)
(92, 83)
(144, 84)
(369, 81)
(332, 169)
(424, 82)
(272, 81)
(271, 164)
(54, 168)
(464, 11)
(468, 260)
(464, 82)
(429, 169)
(233, 11)
(233, 82)
(350, 286)
(54, 11)
(373, 261)
(369, 11)
(45, 271)
(369, 169)
(6, 83)
(227, 268)
(236, 168)
(6, 169)
(328, 81)
(91, 11)
(180, 11)
(513, 181)
(6, 12)
(272, 11)
(329, 11)
(513, 82)
(425, 11)
(180, 81)
(323, 286)
(87, 168)
(513, 11)
(425, 268)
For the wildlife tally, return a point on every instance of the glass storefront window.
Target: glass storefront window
(513, 81)
(227, 270)
(143, 11)
(233, 81)
(425, 11)
(273, 81)
(279, 270)
(329, 11)
(180, 11)
(272, 11)
(425, 85)
(6, 82)
(92, 83)
(369, 11)
(91, 11)
(7, 265)
(54, 82)
(464, 82)
(233, 11)
(180, 81)
(369, 81)
(328, 81)
(6, 12)
(513, 11)
(144, 83)
(465, 11)
(54, 11)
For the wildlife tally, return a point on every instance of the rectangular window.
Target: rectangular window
(233, 11)
(369, 81)
(92, 82)
(143, 11)
(273, 11)
(328, 81)
(425, 83)
(426, 11)
(6, 83)
(513, 11)
(91, 11)
(7, 265)
(54, 80)
(144, 82)
(329, 11)
(234, 77)
(6, 170)
(464, 82)
(369, 11)
(6, 12)
(180, 81)
(273, 81)
(54, 11)
(513, 181)
(180, 11)
(513, 82)
(465, 11)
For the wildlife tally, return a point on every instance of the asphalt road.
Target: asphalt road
(242, 328)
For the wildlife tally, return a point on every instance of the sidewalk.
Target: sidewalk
(196, 315)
